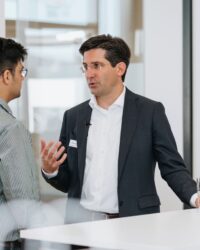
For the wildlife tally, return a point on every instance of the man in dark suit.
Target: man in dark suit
(113, 142)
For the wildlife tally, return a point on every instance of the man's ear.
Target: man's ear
(121, 68)
(6, 76)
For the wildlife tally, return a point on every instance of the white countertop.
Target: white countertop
(176, 230)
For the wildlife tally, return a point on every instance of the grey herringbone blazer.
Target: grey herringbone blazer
(19, 185)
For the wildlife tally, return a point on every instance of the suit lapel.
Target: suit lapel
(84, 117)
(129, 123)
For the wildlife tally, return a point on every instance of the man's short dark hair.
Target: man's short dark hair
(11, 53)
(116, 49)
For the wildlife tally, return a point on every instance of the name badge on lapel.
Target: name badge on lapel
(73, 143)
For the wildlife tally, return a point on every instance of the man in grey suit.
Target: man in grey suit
(19, 187)
(113, 142)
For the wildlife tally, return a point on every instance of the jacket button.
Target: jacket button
(121, 203)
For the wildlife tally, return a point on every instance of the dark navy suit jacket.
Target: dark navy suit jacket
(146, 138)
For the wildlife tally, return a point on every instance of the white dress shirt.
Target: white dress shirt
(99, 192)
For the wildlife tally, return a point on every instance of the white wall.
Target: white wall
(2, 20)
(163, 72)
(196, 87)
(120, 22)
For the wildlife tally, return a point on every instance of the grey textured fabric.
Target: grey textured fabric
(19, 182)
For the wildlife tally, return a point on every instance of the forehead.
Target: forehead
(20, 64)
(94, 55)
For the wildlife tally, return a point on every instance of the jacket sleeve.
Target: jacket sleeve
(19, 183)
(171, 164)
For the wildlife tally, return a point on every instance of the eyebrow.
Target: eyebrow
(93, 62)
(21, 67)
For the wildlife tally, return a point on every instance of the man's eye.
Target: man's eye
(96, 65)
(84, 66)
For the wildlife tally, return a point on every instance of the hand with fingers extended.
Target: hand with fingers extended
(52, 155)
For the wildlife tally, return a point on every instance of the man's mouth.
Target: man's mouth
(92, 84)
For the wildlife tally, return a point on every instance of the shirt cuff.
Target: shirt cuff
(193, 199)
(50, 175)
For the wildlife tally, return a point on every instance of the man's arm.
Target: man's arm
(171, 164)
(18, 174)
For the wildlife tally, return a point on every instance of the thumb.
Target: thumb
(43, 144)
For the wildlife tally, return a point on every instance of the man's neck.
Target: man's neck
(3, 97)
(106, 101)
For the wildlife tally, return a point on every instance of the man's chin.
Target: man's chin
(93, 91)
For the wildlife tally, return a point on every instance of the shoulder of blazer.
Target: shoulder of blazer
(80, 112)
(141, 100)
(80, 107)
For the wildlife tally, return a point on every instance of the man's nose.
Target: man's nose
(90, 72)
